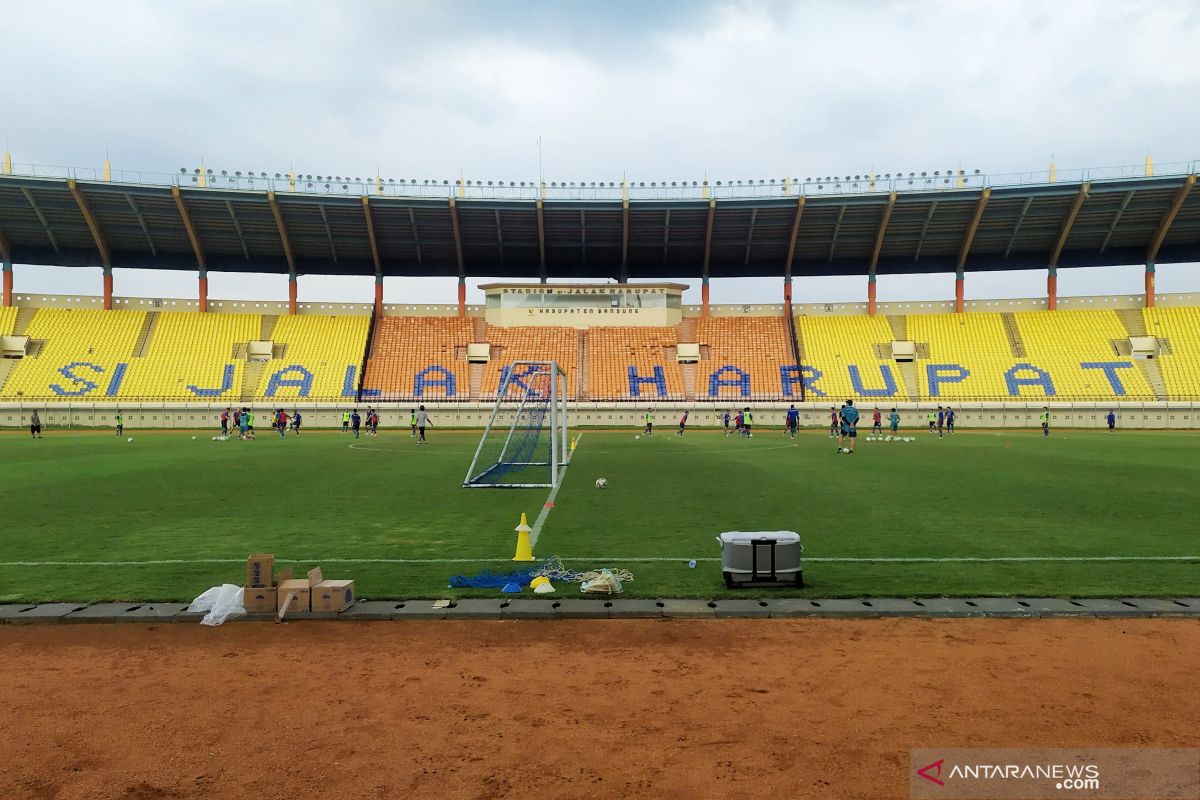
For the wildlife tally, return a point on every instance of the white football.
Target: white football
(601, 483)
(638, 436)
(131, 438)
(887, 438)
(193, 438)
(214, 438)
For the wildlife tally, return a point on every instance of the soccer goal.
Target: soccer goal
(525, 442)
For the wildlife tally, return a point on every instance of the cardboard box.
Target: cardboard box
(299, 587)
(260, 570)
(332, 596)
(261, 599)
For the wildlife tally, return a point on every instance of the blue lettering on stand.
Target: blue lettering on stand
(657, 380)
(118, 377)
(226, 385)
(889, 382)
(1110, 371)
(348, 382)
(739, 378)
(1015, 382)
(516, 378)
(82, 385)
(447, 381)
(299, 377)
(805, 375)
(937, 374)
(789, 376)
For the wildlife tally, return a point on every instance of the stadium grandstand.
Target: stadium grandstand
(627, 339)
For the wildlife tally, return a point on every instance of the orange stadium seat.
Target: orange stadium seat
(757, 346)
(419, 358)
(530, 344)
(612, 351)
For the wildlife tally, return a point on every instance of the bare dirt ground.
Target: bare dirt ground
(558, 709)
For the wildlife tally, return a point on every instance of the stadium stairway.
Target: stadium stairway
(145, 335)
(6, 365)
(475, 380)
(581, 383)
(1135, 325)
(24, 317)
(899, 325)
(267, 327)
(1015, 342)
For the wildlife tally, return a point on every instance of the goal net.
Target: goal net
(525, 442)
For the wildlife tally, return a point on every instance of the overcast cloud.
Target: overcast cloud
(651, 90)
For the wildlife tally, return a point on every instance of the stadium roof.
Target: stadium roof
(61, 221)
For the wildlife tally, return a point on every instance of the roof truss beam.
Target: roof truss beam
(666, 234)
(273, 201)
(412, 221)
(583, 235)
(237, 226)
(137, 212)
(837, 227)
(708, 229)
(625, 235)
(1164, 225)
(1068, 223)
(925, 229)
(90, 219)
(791, 249)
(201, 261)
(37, 210)
(370, 220)
(969, 237)
(499, 238)
(1112, 228)
(541, 221)
(458, 253)
(328, 233)
(882, 231)
(1012, 239)
(750, 234)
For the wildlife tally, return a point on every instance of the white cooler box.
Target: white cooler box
(761, 558)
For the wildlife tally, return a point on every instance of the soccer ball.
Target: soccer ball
(601, 483)
(214, 438)
(131, 438)
(887, 438)
(638, 436)
(193, 438)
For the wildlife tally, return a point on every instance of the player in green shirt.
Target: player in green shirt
(649, 423)
(1045, 420)
(120, 423)
(412, 422)
(345, 421)
(933, 422)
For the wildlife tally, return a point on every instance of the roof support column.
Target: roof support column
(787, 290)
(791, 253)
(366, 203)
(378, 295)
(879, 234)
(704, 296)
(1052, 288)
(108, 288)
(292, 304)
(958, 292)
(1149, 284)
(462, 296)
(203, 293)
(8, 284)
(871, 294)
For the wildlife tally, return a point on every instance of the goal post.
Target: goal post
(525, 442)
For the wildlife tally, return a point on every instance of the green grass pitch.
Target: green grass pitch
(394, 517)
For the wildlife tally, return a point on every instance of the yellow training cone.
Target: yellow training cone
(524, 545)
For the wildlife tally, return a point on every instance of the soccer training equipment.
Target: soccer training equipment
(525, 441)
(601, 483)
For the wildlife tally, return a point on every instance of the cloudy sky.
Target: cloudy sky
(654, 89)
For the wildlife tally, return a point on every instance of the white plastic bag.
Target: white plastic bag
(221, 602)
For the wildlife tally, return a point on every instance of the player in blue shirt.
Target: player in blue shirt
(941, 422)
(793, 420)
(1112, 422)
(949, 419)
(296, 421)
(849, 426)
(835, 422)
(355, 422)
(726, 421)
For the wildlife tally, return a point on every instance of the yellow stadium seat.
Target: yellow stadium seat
(191, 357)
(1180, 327)
(834, 344)
(1058, 342)
(976, 342)
(324, 347)
(86, 353)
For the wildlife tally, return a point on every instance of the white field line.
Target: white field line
(607, 559)
(549, 504)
